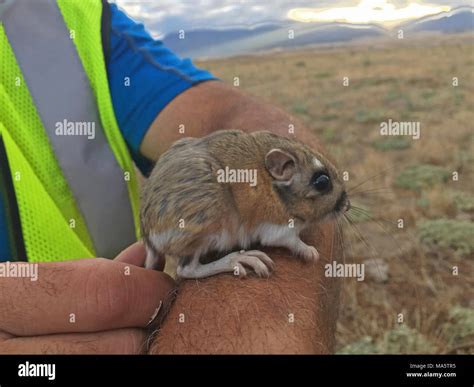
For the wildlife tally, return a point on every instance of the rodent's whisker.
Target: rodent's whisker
(370, 178)
(361, 237)
(340, 238)
(394, 240)
(377, 222)
(357, 231)
(361, 211)
(369, 190)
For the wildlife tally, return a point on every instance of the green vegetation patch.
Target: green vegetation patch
(299, 108)
(392, 143)
(399, 340)
(329, 117)
(448, 234)
(416, 177)
(464, 201)
(406, 340)
(459, 328)
(428, 94)
(365, 345)
(364, 117)
(329, 134)
(322, 75)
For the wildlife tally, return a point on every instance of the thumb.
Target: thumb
(134, 254)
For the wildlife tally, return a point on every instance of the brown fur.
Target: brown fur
(183, 185)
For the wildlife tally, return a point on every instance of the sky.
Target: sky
(165, 16)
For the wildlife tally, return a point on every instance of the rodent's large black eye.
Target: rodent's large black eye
(321, 182)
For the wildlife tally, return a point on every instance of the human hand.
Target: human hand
(85, 306)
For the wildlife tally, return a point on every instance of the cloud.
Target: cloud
(367, 11)
(165, 16)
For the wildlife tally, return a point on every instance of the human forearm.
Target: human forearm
(212, 106)
(294, 311)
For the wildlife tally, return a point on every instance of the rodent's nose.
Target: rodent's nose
(343, 204)
(347, 206)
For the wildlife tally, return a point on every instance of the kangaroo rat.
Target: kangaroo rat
(229, 190)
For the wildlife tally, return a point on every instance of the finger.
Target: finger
(133, 254)
(88, 295)
(120, 341)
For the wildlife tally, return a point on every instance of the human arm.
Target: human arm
(293, 312)
(215, 105)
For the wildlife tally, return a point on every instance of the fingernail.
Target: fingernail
(155, 314)
(162, 310)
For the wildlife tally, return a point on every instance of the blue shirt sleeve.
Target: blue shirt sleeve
(144, 76)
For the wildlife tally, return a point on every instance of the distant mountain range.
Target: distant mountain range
(212, 43)
(455, 21)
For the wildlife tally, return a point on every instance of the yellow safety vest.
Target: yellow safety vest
(73, 179)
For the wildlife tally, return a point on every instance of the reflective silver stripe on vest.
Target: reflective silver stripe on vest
(61, 91)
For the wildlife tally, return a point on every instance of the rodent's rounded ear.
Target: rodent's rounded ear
(280, 164)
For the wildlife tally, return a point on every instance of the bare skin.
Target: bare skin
(111, 309)
(223, 314)
(212, 106)
(293, 312)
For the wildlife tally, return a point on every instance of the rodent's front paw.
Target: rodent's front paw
(309, 254)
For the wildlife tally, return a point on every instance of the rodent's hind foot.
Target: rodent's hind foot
(257, 260)
(235, 262)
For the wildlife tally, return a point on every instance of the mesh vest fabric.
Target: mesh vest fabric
(52, 226)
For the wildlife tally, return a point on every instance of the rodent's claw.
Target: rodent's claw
(310, 254)
(239, 270)
(263, 257)
(260, 262)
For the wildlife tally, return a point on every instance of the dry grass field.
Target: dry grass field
(410, 271)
